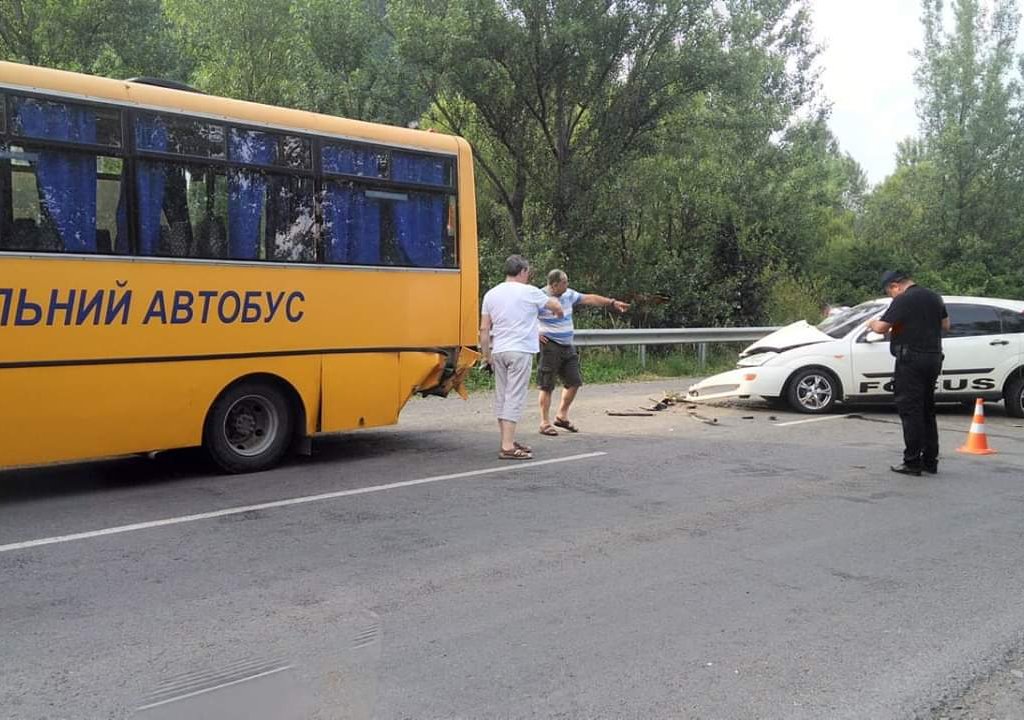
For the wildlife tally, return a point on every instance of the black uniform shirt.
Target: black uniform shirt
(916, 318)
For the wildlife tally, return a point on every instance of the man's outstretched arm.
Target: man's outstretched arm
(602, 301)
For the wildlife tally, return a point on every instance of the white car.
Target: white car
(811, 368)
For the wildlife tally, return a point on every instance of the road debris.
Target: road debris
(703, 419)
(627, 413)
(657, 407)
(667, 401)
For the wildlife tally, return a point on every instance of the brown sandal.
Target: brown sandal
(566, 425)
(524, 448)
(549, 431)
(514, 454)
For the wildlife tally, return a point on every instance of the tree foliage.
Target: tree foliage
(118, 38)
(951, 211)
(672, 151)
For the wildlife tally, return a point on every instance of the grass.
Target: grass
(615, 365)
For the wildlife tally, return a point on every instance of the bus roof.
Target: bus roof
(98, 89)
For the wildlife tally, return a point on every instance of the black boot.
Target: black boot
(904, 469)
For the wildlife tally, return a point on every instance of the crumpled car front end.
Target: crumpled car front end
(762, 368)
(743, 382)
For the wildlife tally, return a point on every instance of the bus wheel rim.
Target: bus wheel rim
(251, 425)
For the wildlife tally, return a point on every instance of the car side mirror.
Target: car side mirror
(873, 337)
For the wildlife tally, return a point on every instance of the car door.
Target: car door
(873, 366)
(1013, 330)
(977, 352)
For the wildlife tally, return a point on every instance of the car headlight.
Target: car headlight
(756, 360)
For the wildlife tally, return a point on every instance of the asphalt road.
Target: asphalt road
(657, 567)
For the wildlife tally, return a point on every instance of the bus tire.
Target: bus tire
(249, 427)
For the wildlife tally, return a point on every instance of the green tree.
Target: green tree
(353, 67)
(554, 95)
(741, 193)
(330, 56)
(950, 212)
(247, 50)
(116, 38)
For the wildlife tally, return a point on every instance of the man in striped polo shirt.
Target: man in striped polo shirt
(558, 357)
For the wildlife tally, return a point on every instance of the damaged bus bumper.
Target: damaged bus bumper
(450, 369)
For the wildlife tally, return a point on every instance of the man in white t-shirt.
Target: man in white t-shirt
(509, 338)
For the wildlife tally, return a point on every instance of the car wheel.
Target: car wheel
(812, 390)
(1015, 398)
(249, 427)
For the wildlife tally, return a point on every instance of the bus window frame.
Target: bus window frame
(130, 154)
(7, 128)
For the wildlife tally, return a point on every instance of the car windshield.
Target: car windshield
(840, 324)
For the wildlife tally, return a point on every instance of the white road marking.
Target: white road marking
(216, 687)
(813, 419)
(511, 465)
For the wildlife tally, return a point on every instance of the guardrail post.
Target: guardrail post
(643, 357)
(702, 355)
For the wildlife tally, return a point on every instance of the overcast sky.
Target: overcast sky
(868, 74)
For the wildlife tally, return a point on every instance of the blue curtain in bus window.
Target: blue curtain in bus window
(419, 222)
(419, 225)
(418, 169)
(150, 182)
(352, 224)
(67, 181)
(246, 191)
(352, 160)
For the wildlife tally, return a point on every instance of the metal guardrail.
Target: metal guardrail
(642, 337)
(669, 336)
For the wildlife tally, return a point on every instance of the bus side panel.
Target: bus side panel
(468, 251)
(419, 372)
(57, 414)
(314, 308)
(359, 390)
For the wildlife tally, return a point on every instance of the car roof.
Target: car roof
(1014, 305)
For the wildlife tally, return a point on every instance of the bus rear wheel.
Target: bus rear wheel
(249, 427)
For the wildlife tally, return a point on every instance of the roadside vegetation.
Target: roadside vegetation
(614, 365)
(672, 153)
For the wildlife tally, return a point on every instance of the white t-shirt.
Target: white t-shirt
(514, 308)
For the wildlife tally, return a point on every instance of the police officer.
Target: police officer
(915, 318)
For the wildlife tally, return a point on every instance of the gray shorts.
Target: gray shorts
(561, 361)
(511, 383)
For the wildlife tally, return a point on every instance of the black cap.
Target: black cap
(891, 276)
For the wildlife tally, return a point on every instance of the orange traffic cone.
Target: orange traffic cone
(977, 441)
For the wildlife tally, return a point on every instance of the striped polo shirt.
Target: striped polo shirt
(559, 329)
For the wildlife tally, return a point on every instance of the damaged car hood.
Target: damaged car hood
(792, 336)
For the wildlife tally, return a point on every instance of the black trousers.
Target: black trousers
(914, 385)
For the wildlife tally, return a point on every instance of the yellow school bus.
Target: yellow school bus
(178, 269)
